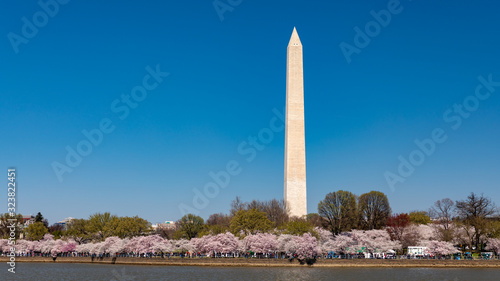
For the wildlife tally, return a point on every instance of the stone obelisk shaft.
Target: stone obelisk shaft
(295, 145)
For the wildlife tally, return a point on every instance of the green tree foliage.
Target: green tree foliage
(275, 210)
(99, 226)
(339, 211)
(189, 226)
(374, 209)
(124, 227)
(36, 231)
(493, 229)
(78, 230)
(5, 223)
(102, 225)
(250, 222)
(419, 217)
(298, 227)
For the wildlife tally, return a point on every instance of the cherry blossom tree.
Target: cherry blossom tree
(62, 246)
(84, 248)
(47, 237)
(220, 243)
(160, 245)
(57, 247)
(200, 244)
(134, 245)
(493, 245)
(307, 246)
(427, 232)
(114, 245)
(303, 247)
(37, 246)
(23, 246)
(326, 241)
(343, 244)
(261, 243)
(324, 235)
(182, 245)
(54, 247)
(47, 243)
(4, 245)
(69, 247)
(441, 248)
(33, 245)
(411, 236)
(287, 243)
(228, 242)
(374, 241)
(152, 244)
(97, 248)
(241, 246)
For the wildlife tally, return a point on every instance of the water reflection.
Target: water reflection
(108, 272)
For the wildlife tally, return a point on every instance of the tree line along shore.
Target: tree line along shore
(242, 262)
(345, 225)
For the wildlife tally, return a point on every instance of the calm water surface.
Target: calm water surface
(67, 271)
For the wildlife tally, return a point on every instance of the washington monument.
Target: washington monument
(295, 144)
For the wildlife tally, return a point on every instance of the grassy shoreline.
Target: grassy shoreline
(241, 262)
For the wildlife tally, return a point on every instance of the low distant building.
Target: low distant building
(28, 219)
(165, 225)
(64, 223)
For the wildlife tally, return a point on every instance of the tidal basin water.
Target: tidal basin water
(68, 271)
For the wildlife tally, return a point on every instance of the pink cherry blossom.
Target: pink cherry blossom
(307, 246)
(261, 243)
(374, 241)
(493, 245)
(287, 243)
(182, 245)
(441, 248)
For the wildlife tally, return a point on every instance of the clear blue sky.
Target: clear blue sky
(226, 77)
